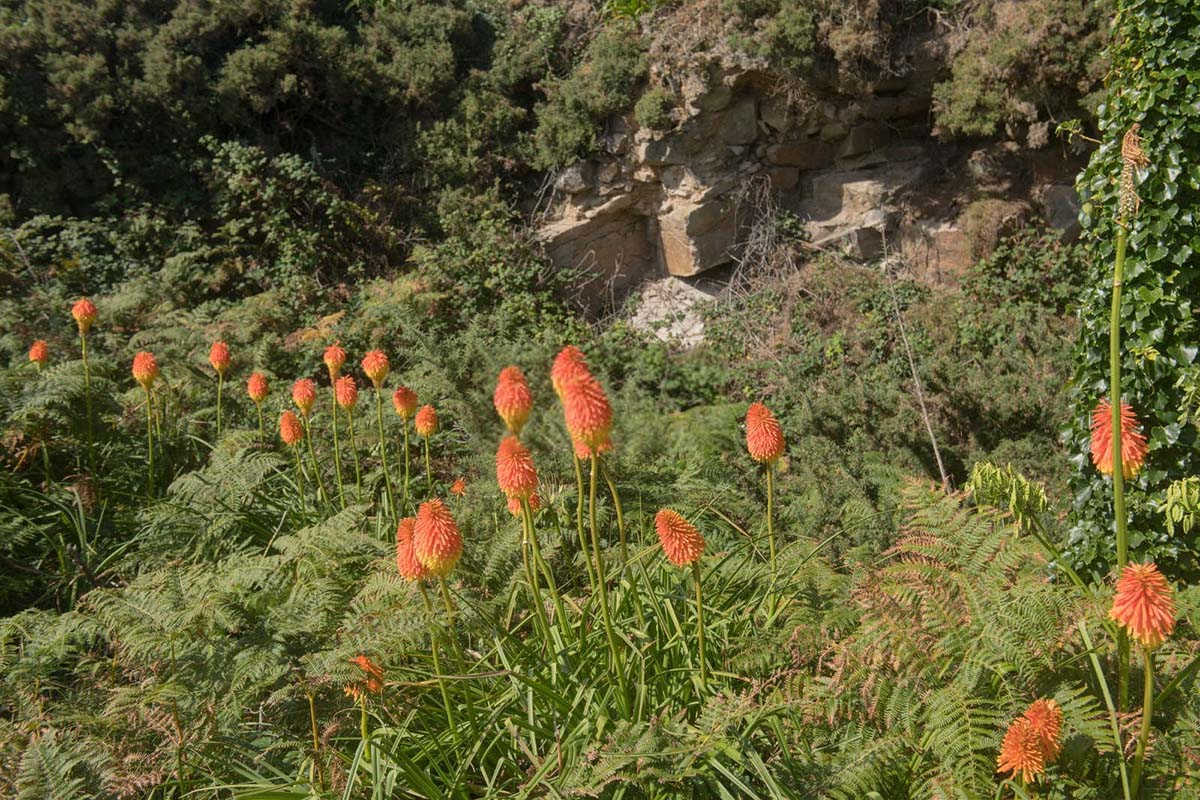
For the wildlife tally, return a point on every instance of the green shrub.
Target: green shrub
(653, 110)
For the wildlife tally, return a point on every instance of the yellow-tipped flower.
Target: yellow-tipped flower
(39, 352)
(515, 471)
(514, 504)
(375, 365)
(589, 416)
(406, 559)
(334, 358)
(426, 422)
(681, 542)
(290, 429)
(512, 399)
(257, 387)
(1144, 604)
(568, 365)
(345, 390)
(404, 400)
(1133, 443)
(764, 437)
(145, 369)
(436, 541)
(218, 356)
(304, 395)
(84, 312)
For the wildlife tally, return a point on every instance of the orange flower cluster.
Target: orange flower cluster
(145, 369)
(257, 387)
(681, 542)
(764, 437)
(426, 422)
(39, 353)
(459, 487)
(1144, 604)
(569, 363)
(304, 395)
(586, 410)
(375, 365)
(372, 681)
(404, 400)
(1032, 741)
(218, 356)
(437, 543)
(512, 399)
(515, 471)
(345, 391)
(514, 504)
(334, 357)
(290, 429)
(406, 559)
(84, 312)
(1133, 443)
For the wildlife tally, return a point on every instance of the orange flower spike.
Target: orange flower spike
(1133, 443)
(514, 504)
(345, 391)
(764, 437)
(145, 369)
(373, 681)
(334, 357)
(459, 487)
(568, 364)
(1021, 752)
(1144, 604)
(437, 542)
(1045, 719)
(680, 540)
(290, 429)
(426, 422)
(404, 400)
(515, 471)
(84, 312)
(257, 387)
(589, 416)
(512, 399)
(406, 559)
(218, 356)
(39, 353)
(375, 365)
(304, 395)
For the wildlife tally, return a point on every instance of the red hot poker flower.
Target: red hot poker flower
(257, 387)
(1045, 719)
(404, 400)
(437, 542)
(145, 369)
(514, 504)
(515, 471)
(406, 560)
(345, 391)
(589, 416)
(290, 429)
(764, 437)
(459, 487)
(512, 399)
(84, 312)
(1021, 752)
(372, 681)
(39, 353)
(426, 422)
(304, 395)
(1144, 604)
(218, 356)
(1133, 443)
(680, 540)
(568, 364)
(334, 357)
(375, 365)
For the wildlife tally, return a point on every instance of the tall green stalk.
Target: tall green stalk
(1118, 469)
(387, 478)
(583, 545)
(262, 432)
(149, 444)
(315, 775)
(1147, 713)
(700, 626)
(87, 398)
(407, 459)
(220, 388)
(527, 517)
(610, 635)
(437, 665)
(354, 450)
(300, 479)
(428, 469)
(337, 452)
(535, 594)
(317, 482)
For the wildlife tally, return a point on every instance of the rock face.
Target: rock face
(864, 175)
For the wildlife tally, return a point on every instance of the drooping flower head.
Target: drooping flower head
(437, 543)
(1133, 443)
(515, 471)
(345, 391)
(375, 365)
(304, 394)
(334, 358)
(588, 415)
(764, 437)
(84, 312)
(39, 352)
(257, 387)
(426, 421)
(218, 356)
(569, 363)
(680, 540)
(1021, 752)
(290, 429)
(459, 487)
(372, 678)
(1144, 604)
(512, 399)
(406, 560)
(145, 369)
(1045, 718)
(514, 504)
(404, 400)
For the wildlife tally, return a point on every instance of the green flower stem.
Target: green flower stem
(314, 775)
(337, 453)
(362, 726)
(320, 484)
(1147, 713)
(1114, 725)
(527, 515)
(1114, 393)
(407, 459)
(149, 444)
(262, 434)
(771, 533)
(87, 399)
(354, 450)
(633, 578)
(535, 594)
(387, 478)
(437, 665)
(583, 545)
(428, 469)
(220, 388)
(700, 626)
(618, 666)
(300, 478)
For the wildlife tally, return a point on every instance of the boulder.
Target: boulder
(805, 154)
(739, 124)
(669, 309)
(695, 236)
(576, 178)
